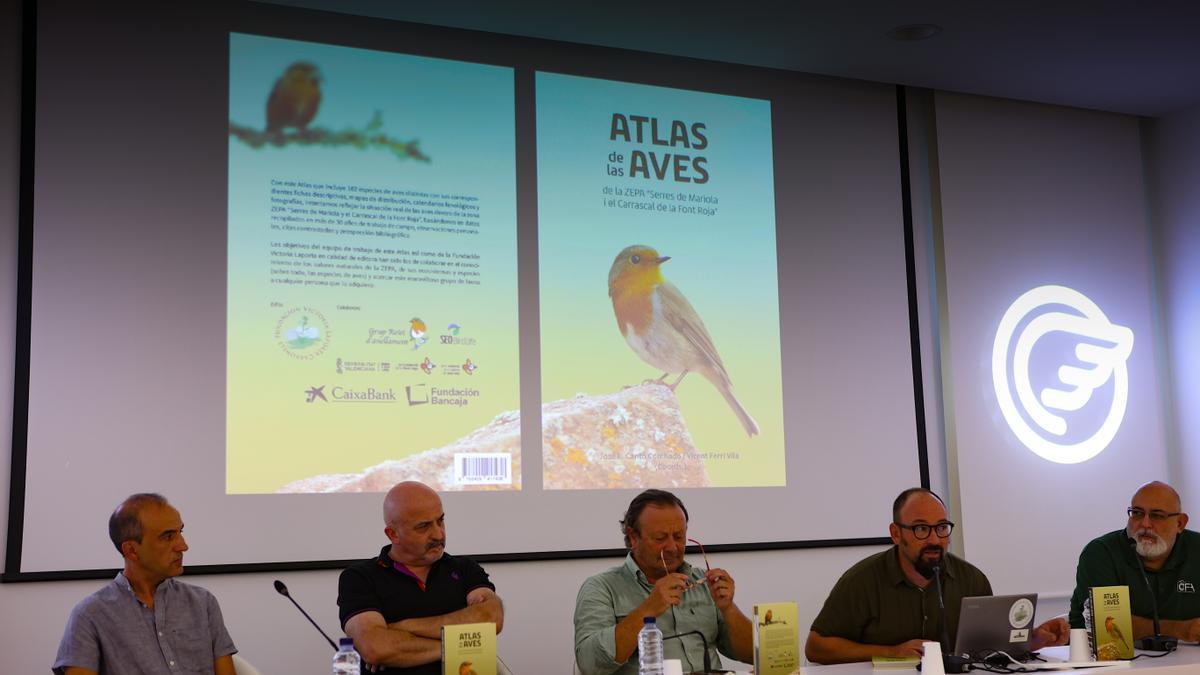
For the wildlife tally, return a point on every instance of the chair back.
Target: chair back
(243, 667)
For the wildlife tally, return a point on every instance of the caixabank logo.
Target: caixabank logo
(1059, 367)
(349, 395)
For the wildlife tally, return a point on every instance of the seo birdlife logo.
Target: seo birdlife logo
(1059, 369)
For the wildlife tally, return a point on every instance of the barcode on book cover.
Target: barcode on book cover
(483, 468)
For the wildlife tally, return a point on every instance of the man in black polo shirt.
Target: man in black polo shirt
(886, 605)
(1154, 538)
(394, 606)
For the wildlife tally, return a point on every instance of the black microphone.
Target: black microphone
(952, 663)
(282, 589)
(1157, 642)
(707, 660)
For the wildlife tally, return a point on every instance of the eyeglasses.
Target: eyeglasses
(707, 567)
(1156, 516)
(921, 530)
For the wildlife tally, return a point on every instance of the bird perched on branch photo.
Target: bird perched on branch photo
(294, 100)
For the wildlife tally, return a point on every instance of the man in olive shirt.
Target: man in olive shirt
(1154, 539)
(655, 581)
(886, 605)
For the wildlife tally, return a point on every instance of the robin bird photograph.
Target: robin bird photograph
(662, 328)
(1114, 631)
(295, 98)
(416, 331)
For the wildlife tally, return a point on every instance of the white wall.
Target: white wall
(1173, 168)
(1035, 195)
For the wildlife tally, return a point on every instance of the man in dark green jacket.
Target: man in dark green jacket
(1154, 541)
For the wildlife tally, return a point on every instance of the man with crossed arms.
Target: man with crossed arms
(394, 605)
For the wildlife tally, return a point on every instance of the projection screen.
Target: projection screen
(281, 259)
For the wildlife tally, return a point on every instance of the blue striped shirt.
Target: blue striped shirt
(111, 631)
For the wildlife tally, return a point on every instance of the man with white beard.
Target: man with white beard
(1155, 540)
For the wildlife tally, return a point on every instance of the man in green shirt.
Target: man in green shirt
(886, 604)
(1155, 540)
(655, 581)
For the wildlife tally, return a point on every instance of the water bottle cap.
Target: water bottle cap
(647, 620)
(346, 642)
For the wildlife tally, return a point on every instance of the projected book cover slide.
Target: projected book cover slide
(656, 228)
(372, 280)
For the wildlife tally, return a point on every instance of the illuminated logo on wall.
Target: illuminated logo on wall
(1059, 369)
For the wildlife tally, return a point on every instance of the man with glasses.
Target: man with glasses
(1154, 541)
(655, 581)
(887, 605)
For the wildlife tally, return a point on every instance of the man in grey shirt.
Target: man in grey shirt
(144, 621)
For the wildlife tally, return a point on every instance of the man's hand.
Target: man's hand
(1056, 631)
(1191, 632)
(483, 606)
(668, 592)
(909, 649)
(721, 586)
(380, 644)
(741, 630)
(1187, 630)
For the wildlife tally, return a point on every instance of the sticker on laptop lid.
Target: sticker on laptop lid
(1021, 613)
(1019, 635)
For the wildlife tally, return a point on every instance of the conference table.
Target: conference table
(1183, 661)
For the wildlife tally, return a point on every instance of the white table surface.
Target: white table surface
(1184, 661)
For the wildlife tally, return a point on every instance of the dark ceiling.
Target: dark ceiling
(1138, 57)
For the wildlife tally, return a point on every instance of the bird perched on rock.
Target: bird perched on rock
(295, 98)
(662, 328)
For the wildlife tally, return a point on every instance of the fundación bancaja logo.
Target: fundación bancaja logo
(1059, 370)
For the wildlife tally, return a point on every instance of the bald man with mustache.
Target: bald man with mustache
(394, 605)
(1156, 539)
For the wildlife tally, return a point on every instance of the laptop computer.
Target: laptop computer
(996, 623)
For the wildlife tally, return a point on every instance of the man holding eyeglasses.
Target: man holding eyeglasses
(655, 581)
(1154, 539)
(886, 604)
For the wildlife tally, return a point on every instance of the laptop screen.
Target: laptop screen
(1002, 623)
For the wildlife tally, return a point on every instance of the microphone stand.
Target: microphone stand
(707, 659)
(282, 589)
(953, 663)
(1157, 642)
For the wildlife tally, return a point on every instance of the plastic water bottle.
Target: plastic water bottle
(346, 661)
(650, 649)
